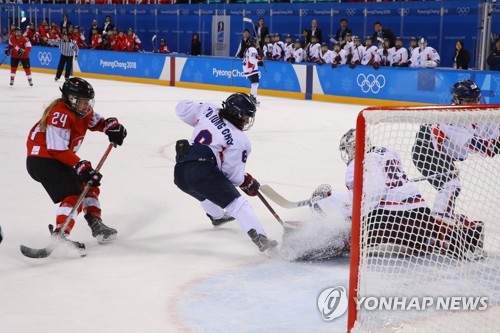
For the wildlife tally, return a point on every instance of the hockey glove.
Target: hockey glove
(250, 186)
(87, 174)
(21, 52)
(334, 65)
(430, 64)
(115, 131)
(260, 63)
(7, 52)
(375, 65)
(395, 64)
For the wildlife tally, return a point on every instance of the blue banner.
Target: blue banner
(431, 86)
(140, 65)
(44, 57)
(228, 72)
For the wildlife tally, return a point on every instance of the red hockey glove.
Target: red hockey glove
(87, 174)
(115, 131)
(250, 186)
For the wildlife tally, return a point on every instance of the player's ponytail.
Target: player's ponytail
(43, 120)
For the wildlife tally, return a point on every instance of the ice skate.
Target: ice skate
(223, 220)
(100, 231)
(254, 100)
(262, 242)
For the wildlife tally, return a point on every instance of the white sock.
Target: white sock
(241, 210)
(253, 89)
(212, 209)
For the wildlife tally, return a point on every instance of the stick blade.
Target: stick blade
(278, 199)
(247, 19)
(35, 253)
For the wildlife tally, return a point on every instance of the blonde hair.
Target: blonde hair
(43, 120)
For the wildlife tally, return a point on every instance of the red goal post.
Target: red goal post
(418, 116)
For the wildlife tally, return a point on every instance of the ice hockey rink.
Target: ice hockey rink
(169, 270)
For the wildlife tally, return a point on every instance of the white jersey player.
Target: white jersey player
(313, 50)
(439, 146)
(370, 54)
(278, 48)
(357, 52)
(400, 55)
(326, 55)
(424, 56)
(339, 56)
(386, 53)
(288, 48)
(267, 48)
(213, 162)
(297, 54)
(394, 211)
(251, 62)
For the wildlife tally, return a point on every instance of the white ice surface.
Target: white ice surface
(168, 270)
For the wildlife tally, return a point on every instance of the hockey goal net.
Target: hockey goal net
(435, 272)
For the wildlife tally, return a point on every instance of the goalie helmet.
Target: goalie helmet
(465, 92)
(347, 146)
(78, 95)
(239, 110)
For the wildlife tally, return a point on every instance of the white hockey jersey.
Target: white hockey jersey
(250, 61)
(278, 50)
(349, 47)
(327, 57)
(298, 54)
(459, 141)
(426, 58)
(268, 50)
(400, 56)
(386, 55)
(288, 51)
(357, 53)
(370, 55)
(339, 58)
(386, 184)
(230, 145)
(314, 51)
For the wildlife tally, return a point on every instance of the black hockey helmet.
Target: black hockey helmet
(465, 92)
(252, 41)
(239, 110)
(17, 31)
(78, 95)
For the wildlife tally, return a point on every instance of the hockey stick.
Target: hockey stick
(249, 20)
(1, 61)
(45, 252)
(281, 201)
(153, 41)
(268, 206)
(277, 198)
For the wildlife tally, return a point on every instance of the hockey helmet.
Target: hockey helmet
(422, 43)
(465, 92)
(17, 31)
(78, 95)
(347, 146)
(252, 41)
(239, 110)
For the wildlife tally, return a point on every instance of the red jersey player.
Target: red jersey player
(20, 48)
(96, 42)
(52, 161)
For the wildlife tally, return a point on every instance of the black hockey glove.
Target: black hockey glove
(7, 52)
(21, 52)
(115, 131)
(260, 63)
(376, 65)
(250, 186)
(86, 173)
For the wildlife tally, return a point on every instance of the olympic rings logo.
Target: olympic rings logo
(304, 11)
(185, 12)
(350, 11)
(404, 11)
(45, 58)
(261, 12)
(463, 10)
(370, 82)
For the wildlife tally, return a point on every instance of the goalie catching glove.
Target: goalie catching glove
(250, 185)
(115, 131)
(86, 173)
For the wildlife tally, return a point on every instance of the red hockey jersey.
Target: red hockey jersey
(17, 44)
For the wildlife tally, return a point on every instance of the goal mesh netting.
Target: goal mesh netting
(434, 255)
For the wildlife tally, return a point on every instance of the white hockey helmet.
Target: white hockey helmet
(347, 146)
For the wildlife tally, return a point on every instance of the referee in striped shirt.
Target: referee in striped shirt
(68, 48)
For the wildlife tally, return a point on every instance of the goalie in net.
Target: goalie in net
(397, 214)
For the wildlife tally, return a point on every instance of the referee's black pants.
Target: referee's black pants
(64, 60)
